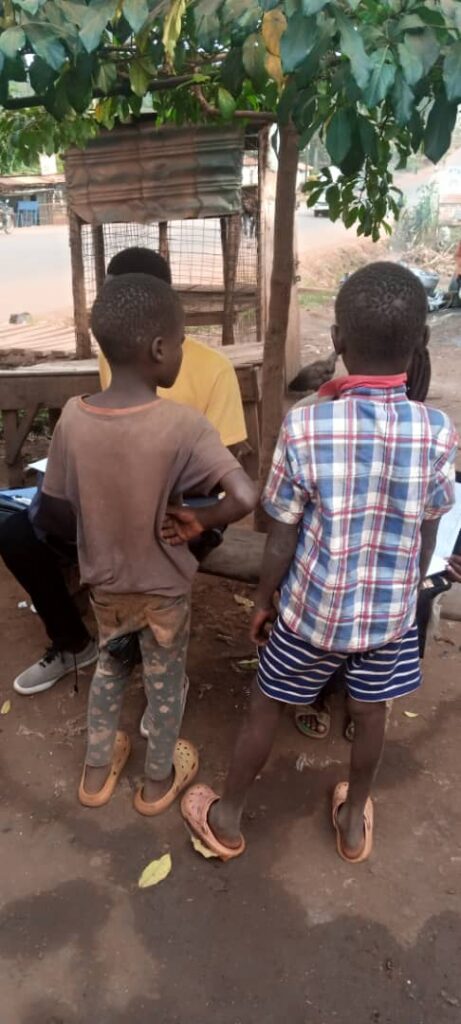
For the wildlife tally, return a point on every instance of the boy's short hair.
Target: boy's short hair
(139, 260)
(382, 309)
(130, 311)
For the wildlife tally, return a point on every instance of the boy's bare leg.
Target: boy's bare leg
(252, 748)
(369, 721)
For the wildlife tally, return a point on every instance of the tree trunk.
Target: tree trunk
(273, 382)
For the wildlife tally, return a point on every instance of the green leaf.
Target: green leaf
(242, 13)
(381, 78)
(352, 46)
(353, 162)
(140, 77)
(417, 55)
(402, 99)
(106, 77)
(253, 57)
(74, 12)
(297, 41)
(451, 72)
(333, 198)
(99, 13)
(12, 40)
(439, 127)
(429, 16)
(40, 75)
(45, 44)
(339, 135)
(233, 71)
(313, 6)
(136, 13)
(207, 22)
(30, 6)
(368, 138)
(78, 83)
(268, 5)
(411, 63)
(308, 68)
(287, 100)
(226, 104)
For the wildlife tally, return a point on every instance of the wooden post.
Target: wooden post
(273, 385)
(262, 235)
(99, 256)
(233, 230)
(82, 334)
(163, 246)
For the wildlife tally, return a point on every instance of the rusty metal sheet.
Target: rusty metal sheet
(137, 173)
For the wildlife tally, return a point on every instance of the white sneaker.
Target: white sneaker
(142, 725)
(52, 667)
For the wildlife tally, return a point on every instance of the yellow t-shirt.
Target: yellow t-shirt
(207, 382)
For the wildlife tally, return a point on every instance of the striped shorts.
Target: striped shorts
(293, 671)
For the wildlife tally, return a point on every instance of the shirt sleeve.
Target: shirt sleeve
(285, 495)
(209, 461)
(55, 479)
(224, 408)
(441, 492)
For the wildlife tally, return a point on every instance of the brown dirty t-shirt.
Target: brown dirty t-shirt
(119, 468)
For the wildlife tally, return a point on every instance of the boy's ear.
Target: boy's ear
(338, 343)
(157, 350)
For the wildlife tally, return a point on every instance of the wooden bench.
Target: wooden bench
(49, 385)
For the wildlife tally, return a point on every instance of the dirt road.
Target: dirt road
(287, 933)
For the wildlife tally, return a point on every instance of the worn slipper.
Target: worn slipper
(339, 798)
(185, 764)
(195, 807)
(120, 755)
(322, 717)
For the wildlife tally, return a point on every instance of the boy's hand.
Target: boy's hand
(454, 568)
(261, 624)
(180, 525)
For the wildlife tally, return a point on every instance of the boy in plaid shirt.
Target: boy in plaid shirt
(355, 494)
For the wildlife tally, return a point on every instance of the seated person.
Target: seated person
(207, 381)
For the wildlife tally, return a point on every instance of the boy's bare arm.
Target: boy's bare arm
(56, 517)
(429, 529)
(278, 556)
(240, 497)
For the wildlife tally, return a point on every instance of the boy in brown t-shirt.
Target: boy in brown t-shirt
(117, 460)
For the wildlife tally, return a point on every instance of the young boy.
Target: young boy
(116, 460)
(355, 493)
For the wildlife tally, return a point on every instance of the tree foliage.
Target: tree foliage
(376, 78)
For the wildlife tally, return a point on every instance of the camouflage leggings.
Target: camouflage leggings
(163, 639)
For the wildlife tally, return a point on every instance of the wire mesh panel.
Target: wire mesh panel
(196, 261)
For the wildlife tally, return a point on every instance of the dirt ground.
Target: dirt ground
(289, 932)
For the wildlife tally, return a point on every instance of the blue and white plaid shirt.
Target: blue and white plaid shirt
(360, 474)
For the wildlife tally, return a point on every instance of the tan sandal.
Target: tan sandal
(186, 765)
(339, 798)
(195, 807)
(120, 755)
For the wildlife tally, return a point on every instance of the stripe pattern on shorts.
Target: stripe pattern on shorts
(293, 671)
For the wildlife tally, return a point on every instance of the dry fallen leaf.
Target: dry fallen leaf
(411, 714)
(245, 602)
(5, 708)
(155, 872)
(249, 664)
(200, 848)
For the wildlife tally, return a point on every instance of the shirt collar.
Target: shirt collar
(339, 385)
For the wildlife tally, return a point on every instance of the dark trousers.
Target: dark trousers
(38, 567)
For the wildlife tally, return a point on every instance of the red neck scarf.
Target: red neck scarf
(334, 388)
